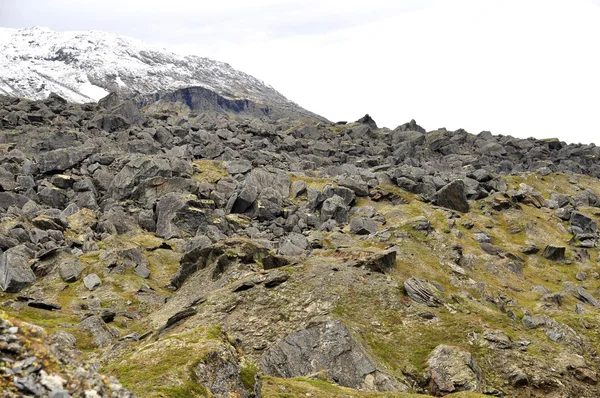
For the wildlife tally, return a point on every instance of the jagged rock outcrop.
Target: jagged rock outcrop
(328, 348)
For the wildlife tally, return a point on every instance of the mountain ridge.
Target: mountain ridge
(85, 66)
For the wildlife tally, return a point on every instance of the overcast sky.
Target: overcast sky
(514, 67)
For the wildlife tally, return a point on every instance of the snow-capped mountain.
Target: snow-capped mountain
(86, 66)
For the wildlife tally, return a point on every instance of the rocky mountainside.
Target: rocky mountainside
(86, 66)
(191, 253)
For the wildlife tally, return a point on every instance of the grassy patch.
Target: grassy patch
(209, 171)
(164, 368)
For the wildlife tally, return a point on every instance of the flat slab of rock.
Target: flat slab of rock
(422, 291)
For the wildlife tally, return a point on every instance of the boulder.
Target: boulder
(363, 226)
(329, 348)
(452, 369)
(70, 270)
(555, 253)
(422, 291)
(298, 188)
(453, 196)
(581, 224)
(15, 272)
(335, 209)
(92, 281)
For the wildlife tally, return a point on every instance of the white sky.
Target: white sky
(514, 67)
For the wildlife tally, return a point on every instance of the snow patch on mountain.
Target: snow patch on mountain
(86, 66)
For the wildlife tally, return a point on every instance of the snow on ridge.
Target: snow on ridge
(84, 66)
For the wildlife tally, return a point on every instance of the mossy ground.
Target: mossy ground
(273, 387)
(208, 171)
(165, 368)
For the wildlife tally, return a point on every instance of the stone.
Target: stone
(581, 224)
(363, 226)
(453, 196)
(92, 281)
(298, 188)
(15, 272)
(70, 270)
(554, 253)
(335, 209)
(453, 369)
(329, 348)
(422, 291)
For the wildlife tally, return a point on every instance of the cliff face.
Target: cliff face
(191, 253)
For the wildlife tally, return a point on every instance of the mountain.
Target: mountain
(87, 66)
(193, 253)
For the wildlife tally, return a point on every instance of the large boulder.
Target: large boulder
(452, 369)
(181, 215)
(582, 224)
(363, 226)
(336, 209)
(70, 270)
(62, 159)
(330, 348)
(453, 196)
(15, 272)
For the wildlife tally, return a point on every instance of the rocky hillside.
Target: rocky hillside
(87, 66)
(193, 253)
(33, 364)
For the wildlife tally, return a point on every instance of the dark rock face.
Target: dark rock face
(328, 347)
(554, 253)
(453, 196)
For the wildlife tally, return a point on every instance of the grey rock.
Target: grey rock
(70, 270)
(15, 272)
(335, 209)
(453, 369)
(92, 281)
(328, 347)
(422, 291)
(363, 226)
(453, 196)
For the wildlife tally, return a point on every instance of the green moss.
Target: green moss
(209, 171)
(164, 368)
(248, 375)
